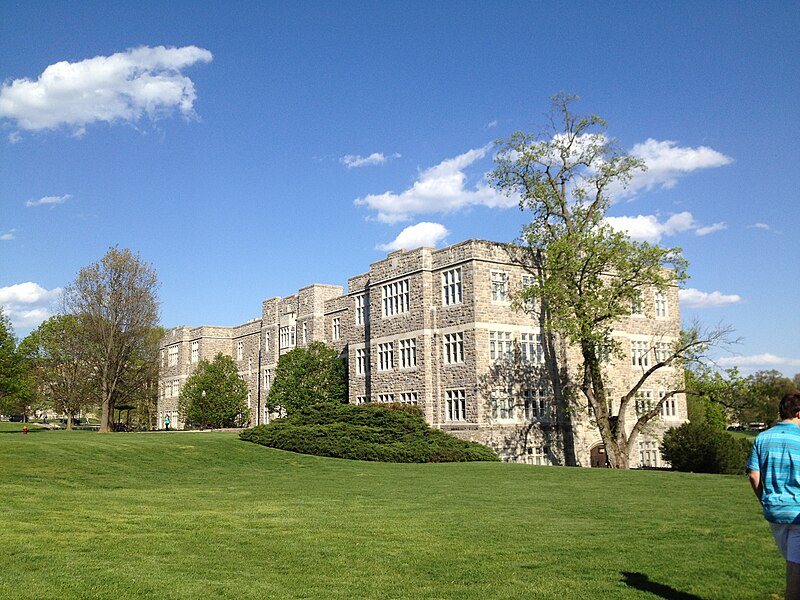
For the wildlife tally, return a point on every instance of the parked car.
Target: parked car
(18, 418)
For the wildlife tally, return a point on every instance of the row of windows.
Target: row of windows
(643, 402)
(535, 405)
(404, 397)
(171, 389)
(531, 345)
(641, 351)
(659, 306)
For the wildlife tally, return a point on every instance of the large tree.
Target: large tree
(214, 395)
(116, 303)
(587, 276)
(58, 367)
(312, 375)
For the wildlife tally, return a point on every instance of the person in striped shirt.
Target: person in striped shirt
(774, 472)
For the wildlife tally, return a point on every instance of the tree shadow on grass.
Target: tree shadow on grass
(642, 582)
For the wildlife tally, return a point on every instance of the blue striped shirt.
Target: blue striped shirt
(776, 456)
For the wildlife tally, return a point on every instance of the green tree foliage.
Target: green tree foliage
(701, 448)
(315, 374)
(214, 396)
(745, 399)
(12, 369)
(115, 301)
(586, 275)
(377, 432)
(58, 365)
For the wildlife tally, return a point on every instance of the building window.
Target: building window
(648, 453)
(362, 309)
(409, 398)
(395, 298)
(453, 348)
(361, 361)
(663, 351)
(660, 305)
(385, 356)
(408, 353)
(502, 404)
(643, 401)
(249, 365)
(536, 403)
(336, 326)
(195, 351)
(249, 400)
(173, 355)
(266, 341)
(176, 388)
(529, 304)
(540, 455)
(637, 307)
(451, 287)
(499, 345)
(639, 353)
(239, 350)
(456, 405)
(385, 398)
(499, 286)
(361, 399)
(668, 406)
(305, 333)
(163, 357)
(267, 379)
(286, 336)
(531, 348)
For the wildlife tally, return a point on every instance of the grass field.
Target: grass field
(204, 515)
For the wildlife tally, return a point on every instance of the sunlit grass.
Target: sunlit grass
(204, 515)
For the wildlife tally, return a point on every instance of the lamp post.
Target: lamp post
(203, 411)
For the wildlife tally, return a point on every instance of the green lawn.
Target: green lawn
(204, 515)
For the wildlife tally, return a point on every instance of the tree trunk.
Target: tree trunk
(107, 417)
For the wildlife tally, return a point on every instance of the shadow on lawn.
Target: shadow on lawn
(642, 582)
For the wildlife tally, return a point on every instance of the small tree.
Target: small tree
(701, 448)
(12, 369)
(214, 395)
(58, 366)
(305, 376)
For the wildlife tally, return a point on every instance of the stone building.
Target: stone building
(439, 329)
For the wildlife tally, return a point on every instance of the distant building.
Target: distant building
(438, 329)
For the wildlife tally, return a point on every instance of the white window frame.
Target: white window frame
(453, 348)
(172, 355)
(362, 309)
(385, 398)
(640, 353)
(501, 344)
(456, 405)
(408, 353)
(395, 297)
(532, 347)
(195, 351)
(336, 328)
(643, 402)
(503, 404)
(362, 361)
(240, 350)
(409, 398)
(660, 304)
(452, 291)
(386, 356)
(499, 285)
(536, 404)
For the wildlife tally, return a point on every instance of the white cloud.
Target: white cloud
(759, 226)
(711, 228)
(758, 360)
(693, 298)
(28, 304)
(52, 200)
(648, 228)
(8, 235)
(414, 236)
(356, 160)
(667, 162)
(491, 124)
(438, 189)
(121, 87)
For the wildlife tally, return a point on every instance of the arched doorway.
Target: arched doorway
(597, 457)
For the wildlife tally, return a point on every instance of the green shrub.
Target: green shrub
(702, 448)
(385, 433)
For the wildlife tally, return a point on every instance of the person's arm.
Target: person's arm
(755, 483)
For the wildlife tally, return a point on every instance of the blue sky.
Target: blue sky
(248, 149)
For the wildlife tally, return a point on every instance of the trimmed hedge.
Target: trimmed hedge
(701, 448)
(374, 432)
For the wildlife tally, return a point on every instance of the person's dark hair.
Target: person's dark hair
(790, 405)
